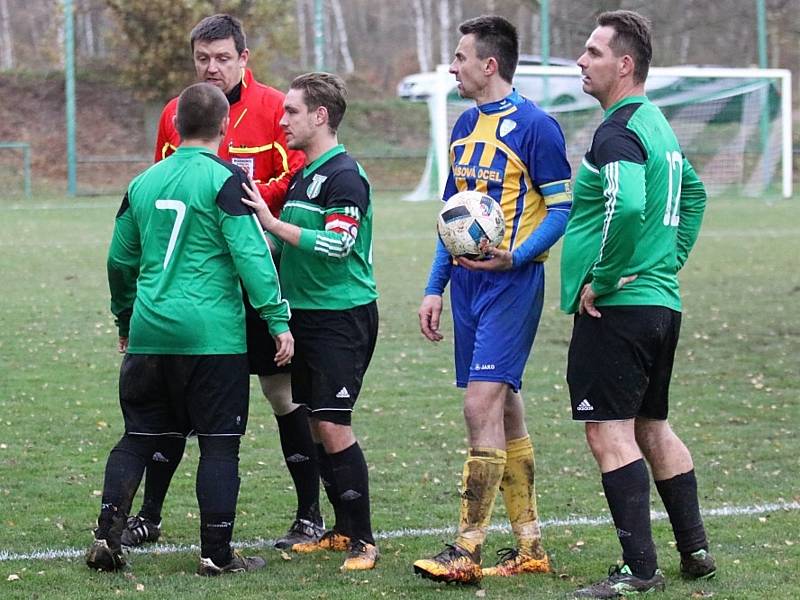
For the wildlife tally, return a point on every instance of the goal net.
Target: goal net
(734, 125)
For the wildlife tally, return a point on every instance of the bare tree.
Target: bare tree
(458, 11)
(341, 32)
(685, 38)
(85, 30)
(6, 41)
(302, 33)
(444, 31)
(427, 11)
(422, 39)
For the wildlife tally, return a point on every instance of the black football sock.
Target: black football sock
(123, 474)
(340, 524)
(627, 491)
(158, 475)
(216, 531)
(300, 455)
(679, 495)
(352, 482)
(110, 524)
(124, 469)
(217, 491)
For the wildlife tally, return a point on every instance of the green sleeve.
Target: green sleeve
(332, 245)
(122, 265)
(692, 207)
(251, 256)
(624, 191)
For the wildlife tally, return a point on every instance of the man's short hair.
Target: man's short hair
(201, 110)
(323, 89)
(220, 27)
(631, 36)
(495, 37)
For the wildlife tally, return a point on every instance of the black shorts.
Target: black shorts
(168, 394)
(333, 349)
(260, 344)
(620, 365)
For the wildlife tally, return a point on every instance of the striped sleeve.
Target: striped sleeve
(624, 201)
(693, 204)
(339, 236)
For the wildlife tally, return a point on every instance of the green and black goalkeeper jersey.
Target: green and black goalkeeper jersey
(331, 269)
(182, 239)
(636, 210)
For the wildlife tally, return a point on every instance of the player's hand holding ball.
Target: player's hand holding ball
(471, 225)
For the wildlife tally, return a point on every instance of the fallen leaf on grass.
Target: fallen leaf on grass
(285, 556)
(577, 545)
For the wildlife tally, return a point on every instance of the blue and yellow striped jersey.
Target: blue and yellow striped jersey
(514, 152)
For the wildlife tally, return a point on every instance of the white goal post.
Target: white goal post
(734, 125)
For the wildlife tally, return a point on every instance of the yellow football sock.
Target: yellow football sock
(519, 495)
(481, 477)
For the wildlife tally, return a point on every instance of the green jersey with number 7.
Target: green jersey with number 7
(182, 241)
(637, 207)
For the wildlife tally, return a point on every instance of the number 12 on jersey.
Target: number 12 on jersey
(675, 163)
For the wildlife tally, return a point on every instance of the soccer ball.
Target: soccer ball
(466, 220)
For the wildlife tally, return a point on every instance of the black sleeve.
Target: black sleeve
(124, 206)
(615, 142)
(347, 188)
(229, 197)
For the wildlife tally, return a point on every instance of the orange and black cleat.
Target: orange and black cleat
(513, 562)
(452, 565)
(331, 540)
(361, 556)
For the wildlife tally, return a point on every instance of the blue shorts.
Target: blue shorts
(495, 317)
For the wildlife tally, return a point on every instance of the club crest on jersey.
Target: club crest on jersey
(506, 127)
(246, 164)
(315, 186)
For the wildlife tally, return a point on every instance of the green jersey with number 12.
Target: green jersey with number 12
(637, 209)
(182, 239)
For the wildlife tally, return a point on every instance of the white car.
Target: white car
(418, 87)
(557, 93)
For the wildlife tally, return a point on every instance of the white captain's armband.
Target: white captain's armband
(341, 231)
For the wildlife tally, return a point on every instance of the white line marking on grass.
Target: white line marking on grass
(104, 204)
(725, 511)
(748, 233)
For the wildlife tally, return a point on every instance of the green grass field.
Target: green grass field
(734, 396)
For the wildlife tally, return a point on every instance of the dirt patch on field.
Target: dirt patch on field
(110, 130)
(115, 134)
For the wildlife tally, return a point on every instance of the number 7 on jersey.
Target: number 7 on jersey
(180, 211)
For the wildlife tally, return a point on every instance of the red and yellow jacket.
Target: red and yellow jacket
(254, 140)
